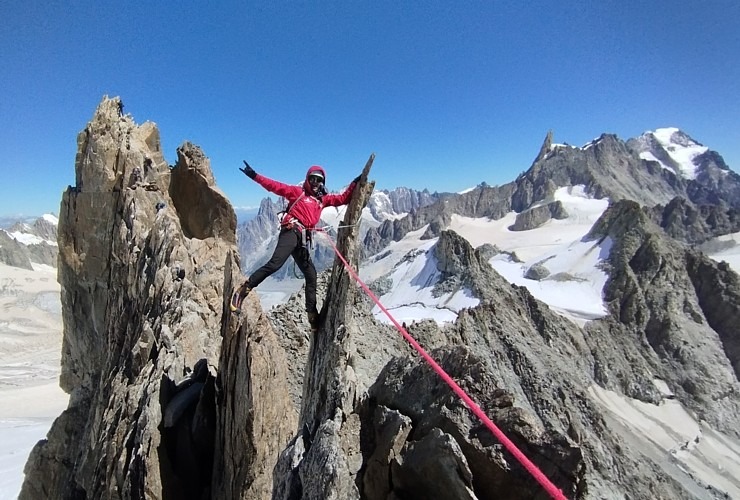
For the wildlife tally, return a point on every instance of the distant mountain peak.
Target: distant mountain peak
(672, 136)
(30, 241)
(673, 149)
(51, 218)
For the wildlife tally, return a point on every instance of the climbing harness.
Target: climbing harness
(546, 484)
(281, 214)
(295, 225)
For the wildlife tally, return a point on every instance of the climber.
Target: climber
(305, 203)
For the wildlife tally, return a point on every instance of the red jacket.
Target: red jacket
(308, 207)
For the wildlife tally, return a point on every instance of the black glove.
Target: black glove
(248, 171)
(356, 180)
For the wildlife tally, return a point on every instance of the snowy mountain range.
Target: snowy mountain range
(575, 183)
(609, 237)
(538, 233)
(556, 256)
(569, 280)
(553, 258)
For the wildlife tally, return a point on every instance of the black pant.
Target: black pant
(290, 243)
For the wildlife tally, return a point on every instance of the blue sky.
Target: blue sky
(447, 94)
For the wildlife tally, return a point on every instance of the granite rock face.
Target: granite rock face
(675, 305)
(695, 224)
(146, 264)
(43, 253)
(408, 200)
(258, 236)
(536, 216)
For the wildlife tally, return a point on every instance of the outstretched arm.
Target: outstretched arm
(272, 186)
(335, 200)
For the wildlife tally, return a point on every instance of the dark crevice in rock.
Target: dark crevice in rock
(188, 434)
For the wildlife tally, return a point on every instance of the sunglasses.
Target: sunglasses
(315, 179)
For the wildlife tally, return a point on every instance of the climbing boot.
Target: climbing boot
(238, 296)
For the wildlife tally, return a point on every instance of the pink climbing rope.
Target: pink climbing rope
(548, 486)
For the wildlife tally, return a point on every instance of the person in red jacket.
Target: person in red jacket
(305, 204)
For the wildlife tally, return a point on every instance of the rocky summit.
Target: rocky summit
(174, 396)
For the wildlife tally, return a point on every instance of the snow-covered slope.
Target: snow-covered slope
(30, 353)
(25, 244)
(572, 289)
(409, 269)
(684, 444)
(569, 276)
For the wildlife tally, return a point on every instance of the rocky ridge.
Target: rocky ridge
(387, 204)
(175, 397)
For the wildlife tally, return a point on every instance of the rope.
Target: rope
(340, 226)
(548, 486)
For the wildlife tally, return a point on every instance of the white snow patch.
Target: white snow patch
(648, 156)
(19, 435)
(381, 205)
(410, 298)
(662, 387)
(45, 268)
(333, 216)
(51, 218)
(682, 154)
(559, 243)
(382, 263)
(574, 287)
(272, 292)
(25, 238)
(594, 142)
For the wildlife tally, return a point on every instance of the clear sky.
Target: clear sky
(447, 94)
